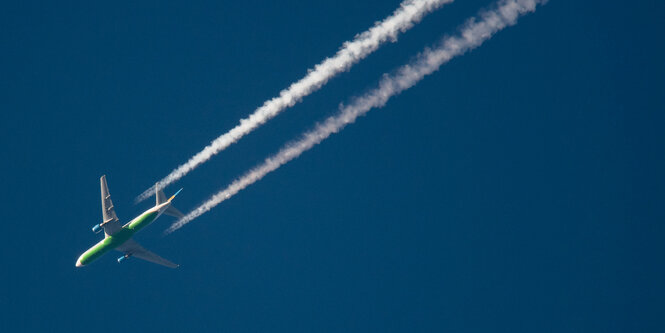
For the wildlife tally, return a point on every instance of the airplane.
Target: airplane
(119, 237)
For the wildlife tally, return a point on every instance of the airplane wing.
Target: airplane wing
(111, 224)
(132, 248)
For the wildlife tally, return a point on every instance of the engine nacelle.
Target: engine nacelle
(97, 229)
(121, 259)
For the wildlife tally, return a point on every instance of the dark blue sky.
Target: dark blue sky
(518, 189)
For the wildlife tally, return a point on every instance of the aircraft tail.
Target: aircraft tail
(160, 198)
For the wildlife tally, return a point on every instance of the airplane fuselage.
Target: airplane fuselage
(128, 230)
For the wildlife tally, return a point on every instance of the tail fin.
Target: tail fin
(160, 198)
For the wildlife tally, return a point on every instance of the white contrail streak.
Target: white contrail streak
(471, 35)
(409, 13)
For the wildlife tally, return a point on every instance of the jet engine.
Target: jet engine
(97, 228)
(121, 259)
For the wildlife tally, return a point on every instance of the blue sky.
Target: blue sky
(519, 188)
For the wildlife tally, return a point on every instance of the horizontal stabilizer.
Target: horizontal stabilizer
(172, 211)
(160, 198)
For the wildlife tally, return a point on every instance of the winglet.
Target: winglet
(173, 196)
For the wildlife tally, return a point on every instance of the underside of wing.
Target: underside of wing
(111, 224)
(132, 248)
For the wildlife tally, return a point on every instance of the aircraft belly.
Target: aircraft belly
(106, 245)
(95, 252)
(143, 221)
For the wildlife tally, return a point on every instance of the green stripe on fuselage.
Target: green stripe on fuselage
(111, 242)
(142, 221)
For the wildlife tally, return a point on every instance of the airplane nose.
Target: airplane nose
(78, 263)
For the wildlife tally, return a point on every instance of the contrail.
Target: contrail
(402, 19)
(471, 35)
